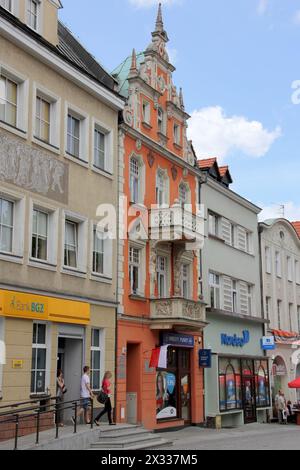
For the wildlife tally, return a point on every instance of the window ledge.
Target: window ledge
(14, 130)
(215, 237)
(35, 263)
(11, 258)
(77, 160)
(46, 145)
(147, 125)
(74, 272)
(139, 298)
(101, 278)
(104, 173)
(178, 146)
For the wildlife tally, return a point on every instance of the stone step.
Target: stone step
(152, 442)
(122, 434)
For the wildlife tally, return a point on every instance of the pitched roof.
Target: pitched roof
(121, 73)
(207, 163)
(223, 170)
(296, 226)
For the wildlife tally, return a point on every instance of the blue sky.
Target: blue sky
(236, 61)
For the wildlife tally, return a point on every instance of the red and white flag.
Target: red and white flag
(159, 358)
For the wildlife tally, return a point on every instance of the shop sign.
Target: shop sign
(268, 343)
(17, 364)
(235, 341)
(179, 341)
(205, 358)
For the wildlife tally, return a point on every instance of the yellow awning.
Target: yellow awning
(38, 307)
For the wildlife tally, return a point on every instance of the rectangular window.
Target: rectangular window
(289, 269)
(268, 260)
(297, 271)
(160, 121)
(249, 237)
(233, 234)
(213, 224)
(96, 360)
(6, 225)
(73, 136)
(162, 276)
(39, 246)
(291, 308)
(98, 253)
(8, 101)
(134, 269)
(278, 264)
(134, 180)
(42, 119)
(214, 284)
(250, 299)
(176, 131)
(39, 358)
(234, 297)
(268, 308)
(71, 244)
(185, 281)
(32, 14)
(99, 149)
(146, 112)
(160, 190)
(279, 305)
(7, 4)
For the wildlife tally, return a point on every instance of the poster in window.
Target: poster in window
(231, 391)
(166, 406)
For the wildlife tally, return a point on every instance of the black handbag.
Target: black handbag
(102, 398)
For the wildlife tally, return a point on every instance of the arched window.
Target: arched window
(229, 385)
(162, 188)
(184, 194)
(137, 179)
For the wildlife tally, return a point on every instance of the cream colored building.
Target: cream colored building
(58, 162)
(280, 248)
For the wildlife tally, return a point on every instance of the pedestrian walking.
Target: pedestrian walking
(60, 392)
(106, 389)
(86, 396)
(282, 408)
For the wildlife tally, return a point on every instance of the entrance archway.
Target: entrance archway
(279, 379)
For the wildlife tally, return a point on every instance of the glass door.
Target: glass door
(249, 399)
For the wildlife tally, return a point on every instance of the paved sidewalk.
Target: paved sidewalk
(250, 437)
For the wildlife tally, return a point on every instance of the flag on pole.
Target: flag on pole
(159, 358)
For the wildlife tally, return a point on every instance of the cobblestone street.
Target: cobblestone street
(251, 437)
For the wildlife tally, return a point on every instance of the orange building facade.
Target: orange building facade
(159, 248)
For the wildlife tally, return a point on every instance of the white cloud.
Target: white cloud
(215, 134)
(297, 18)
(151, 3)
(262, 7)
(289, 209)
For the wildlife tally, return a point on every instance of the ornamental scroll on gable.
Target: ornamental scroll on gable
(33, 170)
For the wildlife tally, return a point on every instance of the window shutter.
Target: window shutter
(108, 258)
(241, 239)
(225, 228)
(244, 298)
(109, 155)
(227, 294)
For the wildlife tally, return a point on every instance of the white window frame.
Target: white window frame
(177, 133)
(161, 125)
(47, 347)
(83, 119)
(162, 191)
(82, 239)
(233, 234)
(9, 7)
(291, 309)
(249, 242)
(268, 260)
(141, 266)
(187, 189)
(22, 82)
(146, 111)
(279, 314)
(268, 307)
(107, 273)
(186, 279)
(141, 179)
(278, 268)
(162, 274)
(108, 147)
(28, 11)
(52, 240)
(250, 299)
(297, 271)
(213, 224)
(235, 295)
(19, 223)
(289, 263)
(101, 350)
(216, 288)
(55, 118)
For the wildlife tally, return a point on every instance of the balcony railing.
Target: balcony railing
(176, 223)
(178, 311)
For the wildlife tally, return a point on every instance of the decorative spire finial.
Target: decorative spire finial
(159, 26)
(181, 100)
(133, 68)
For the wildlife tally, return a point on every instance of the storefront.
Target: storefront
(43, 334)
(237, 387)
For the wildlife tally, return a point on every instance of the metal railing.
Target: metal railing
(20, 412)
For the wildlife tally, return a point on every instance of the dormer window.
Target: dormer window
(7, 4)
(33, 7)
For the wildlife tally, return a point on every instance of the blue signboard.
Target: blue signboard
(235, 341)
(268, 343)
(205, 358)
(177, 340)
